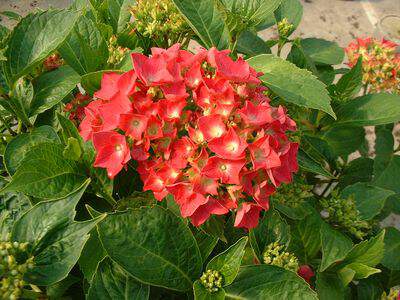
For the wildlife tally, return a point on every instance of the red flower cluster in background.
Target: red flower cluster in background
(381, 63)
(200, 128)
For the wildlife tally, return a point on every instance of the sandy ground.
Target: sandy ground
(338, 20)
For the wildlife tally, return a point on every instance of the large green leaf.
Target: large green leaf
(251, 44)
(261, 282)
(389, 177)
(291, 83)
(112, 282)
(154, 246)
(55, 240)
(370, 110)
(358, 170)
(206, 243)
(322, 51)
(384, 148)
(45, 173)
(391, 258)
(369, 199)
(34, 38)
(52, 87)
(330, 287)
(119, 13)
(206, 21)
(335, 246)
(17, 149)
(229, 261)
(271, 228)
(85, 50)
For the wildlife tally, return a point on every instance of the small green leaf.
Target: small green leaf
(259, 282)
(201, 293)
(112, 282)
(307, 163)
(139, 242)
(47, 30)
(92, 254)
(335, 246)
(292, 10)
(17, 149)
(330, 287)
(344, 140)
(291, 83)
(369, 199)
(369, 252)
(391, 259)
(52, 87)
(389, 177)
(72, 150)
(384, 148)
(206, 21)
(361, 270)
(251, 44)
(206, 243)
(229, 261)
(322, 51)
(370, 110)
(55, 178)
(350, 83)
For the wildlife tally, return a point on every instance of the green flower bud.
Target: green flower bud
(294, 194)
(274, 254)
(211, 280)
(285, 28)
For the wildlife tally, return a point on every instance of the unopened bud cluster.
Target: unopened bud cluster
(284, 28)
(160, 21)
(116, 52)
(76, 107)
(342, 212)
(276, 255)
(394, 294)
(14, 263)
(53, 62)
(292, 195)
(211, 280)
(380, 63)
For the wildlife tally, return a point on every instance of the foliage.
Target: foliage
(76, 224)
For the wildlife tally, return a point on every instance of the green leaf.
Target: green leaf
(369, 199)
(18, 148)
(391, 258)
(358, 170)
(58, 289)
(271, 228)
(72, 150)
(370, 110)
(322, 51)
(369, 252)
(260, 282)
(307, 163)
(306, 237)
(112, 282)
(119, 13)
(369, 289)
(251, 44)
(229, 261)
(69, 130)
(201, 293)
(335, 246)
(389, 178)
(330, 287)
(291, 83)
(55, 240)
(34, 38)
(350, 83)
(206, 21)
(139, 242)
(55, 178)
(52, 87)
(361, 270)
(11, 15)
(384, 145)
(206, 243)
(92, 254)
(12, 207)
(292, 10)
(344, 140)
(85, 50)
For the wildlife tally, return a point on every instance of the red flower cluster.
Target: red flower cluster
(76, 107)
(201, 129)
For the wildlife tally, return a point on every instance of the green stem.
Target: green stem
(19, 127)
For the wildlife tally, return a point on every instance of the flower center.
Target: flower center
(223, 167)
